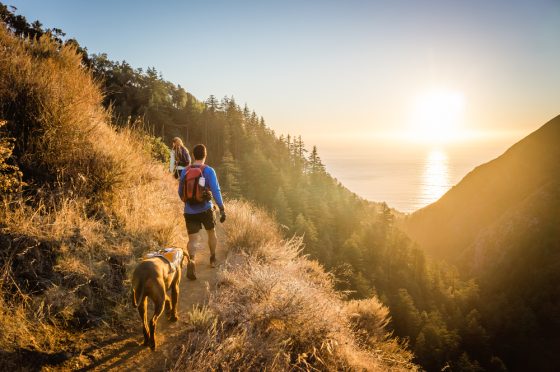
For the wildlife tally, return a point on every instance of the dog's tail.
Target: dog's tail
(137, 295)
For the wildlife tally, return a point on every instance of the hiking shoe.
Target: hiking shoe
(191, 270)
(213, 260)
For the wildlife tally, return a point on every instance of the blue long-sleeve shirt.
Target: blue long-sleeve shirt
(212, 181)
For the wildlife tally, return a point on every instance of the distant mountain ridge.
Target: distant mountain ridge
(446, 228)
(501, 226)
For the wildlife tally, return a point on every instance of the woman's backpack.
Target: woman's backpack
(195, 190)
(181, 157)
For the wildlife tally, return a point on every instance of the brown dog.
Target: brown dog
(153, 277)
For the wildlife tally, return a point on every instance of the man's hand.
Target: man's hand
(222, 215)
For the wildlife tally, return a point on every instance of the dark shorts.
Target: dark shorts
(194, 222)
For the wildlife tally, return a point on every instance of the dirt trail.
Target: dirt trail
(124, 352)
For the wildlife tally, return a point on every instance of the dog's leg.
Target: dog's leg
(143, 311)
(168, 306)
(159, 306)
(175, 297)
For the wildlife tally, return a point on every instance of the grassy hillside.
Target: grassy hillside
(93, 201)
(82, 200)
(447, 227)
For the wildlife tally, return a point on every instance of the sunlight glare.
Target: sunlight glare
(437, 116)
(435, 180)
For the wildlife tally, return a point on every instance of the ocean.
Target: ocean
(406, 177)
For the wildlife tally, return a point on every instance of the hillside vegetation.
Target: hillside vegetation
(93, 200)
(81, 200)
(276, 310)
(501, 224)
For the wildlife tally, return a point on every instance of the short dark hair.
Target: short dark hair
(199, 152)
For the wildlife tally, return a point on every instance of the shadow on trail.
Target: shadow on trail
(121, 354)
(30, 359)
(125, 352)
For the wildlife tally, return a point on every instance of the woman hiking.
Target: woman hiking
(180, 157)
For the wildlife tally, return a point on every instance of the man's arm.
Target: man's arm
(215, 188)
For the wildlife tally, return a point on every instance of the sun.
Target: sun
(437, 116)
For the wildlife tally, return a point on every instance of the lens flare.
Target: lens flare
(437, 117)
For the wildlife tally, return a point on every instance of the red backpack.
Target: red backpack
(193, 192)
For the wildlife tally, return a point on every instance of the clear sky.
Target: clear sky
(337, 69)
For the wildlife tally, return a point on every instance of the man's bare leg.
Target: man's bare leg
(212, 244)
(192, 245)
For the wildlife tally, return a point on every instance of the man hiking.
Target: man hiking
(197, 185)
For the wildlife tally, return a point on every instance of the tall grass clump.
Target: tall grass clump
(277, 310)
(84, 200)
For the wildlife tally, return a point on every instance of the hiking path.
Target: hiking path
(123, 351)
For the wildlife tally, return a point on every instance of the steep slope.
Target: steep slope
(93, 201)
(501, 226)
(447, 227)
(517, 264)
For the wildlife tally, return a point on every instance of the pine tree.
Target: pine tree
(281, 209)
(316, 166)
(212, 103)
(246, 114)
(306, 228)
(229, 176)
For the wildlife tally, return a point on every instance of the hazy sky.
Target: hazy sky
(326, 68)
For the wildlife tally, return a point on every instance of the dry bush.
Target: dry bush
(51, 104)
(10, 175)
(148, 205)
(368, 318)
(253, 227)
(201, 318)
(276, 310)
(257, 234)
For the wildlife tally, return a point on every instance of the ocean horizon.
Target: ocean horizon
(408, 178)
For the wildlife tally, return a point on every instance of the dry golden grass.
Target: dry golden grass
(96, 200)
(276, 310)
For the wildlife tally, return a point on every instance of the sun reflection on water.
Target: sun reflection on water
(435, 179)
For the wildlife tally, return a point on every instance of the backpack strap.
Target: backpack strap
(202, 167)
